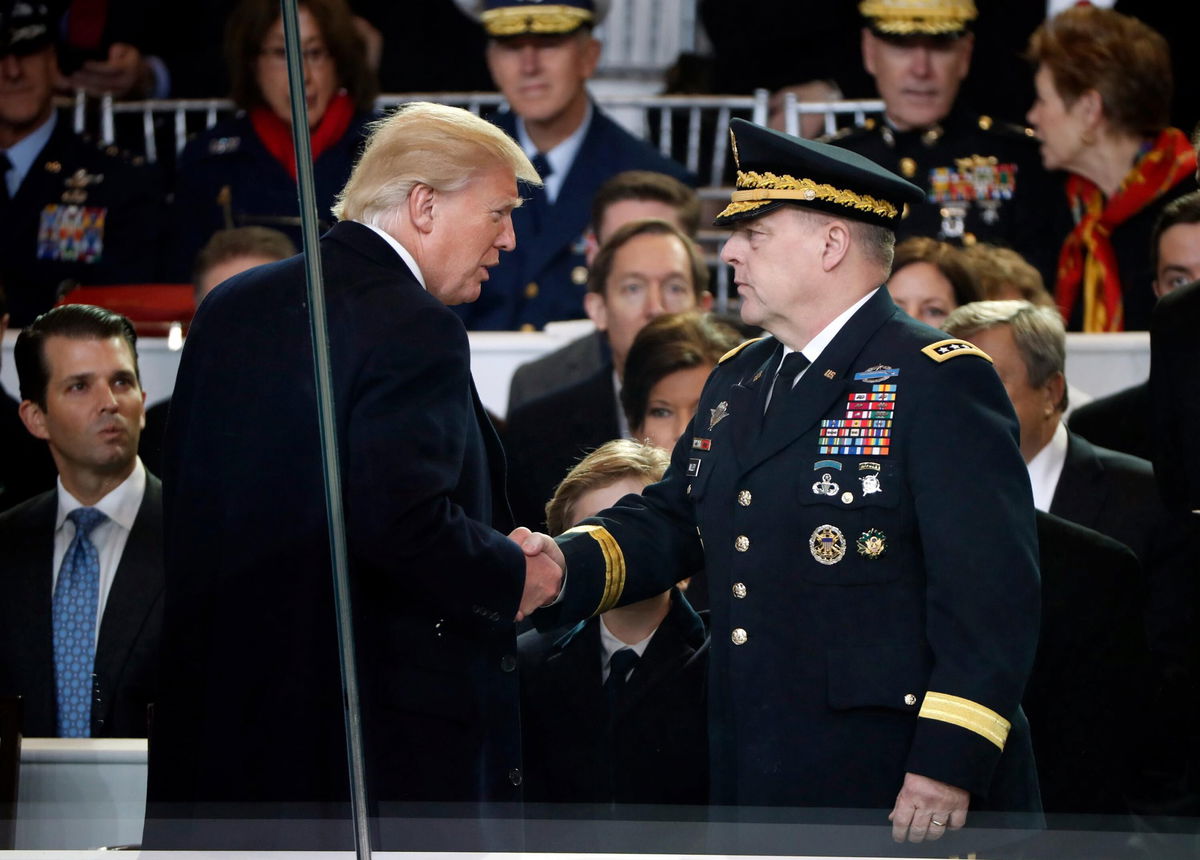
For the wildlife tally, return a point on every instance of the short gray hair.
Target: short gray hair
(878, 243)
(1037, 331)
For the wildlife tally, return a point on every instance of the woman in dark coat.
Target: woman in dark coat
(242, 171)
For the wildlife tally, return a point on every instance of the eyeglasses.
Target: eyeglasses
(314, 56)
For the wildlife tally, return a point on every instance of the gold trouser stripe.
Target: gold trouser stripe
(614, 565)
(966, 714)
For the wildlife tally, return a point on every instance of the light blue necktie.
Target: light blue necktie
(76, 597)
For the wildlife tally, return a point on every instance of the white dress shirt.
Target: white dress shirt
(121, 506)
(1046, 468)
(25, 152)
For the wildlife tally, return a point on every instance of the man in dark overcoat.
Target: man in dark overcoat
(250, 720)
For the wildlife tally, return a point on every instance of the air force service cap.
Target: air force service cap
(776, 169)
(25, 26)
(900, 18)
(507, 18)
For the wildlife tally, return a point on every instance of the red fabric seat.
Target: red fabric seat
(152, 308)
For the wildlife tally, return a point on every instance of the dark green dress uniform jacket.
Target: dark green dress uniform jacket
(874, 598)
(983, 180)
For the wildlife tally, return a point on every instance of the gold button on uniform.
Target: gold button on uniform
(531, 290)
(847, 497)
(579, 275)
(742, 543)
(744, 498)
(528, 327)
(738, 636)
(910, 699)
(739, 590)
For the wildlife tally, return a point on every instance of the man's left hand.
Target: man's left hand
(925, 809)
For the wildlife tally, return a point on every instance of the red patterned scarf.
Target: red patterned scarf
(1087, 262)
(276, 135)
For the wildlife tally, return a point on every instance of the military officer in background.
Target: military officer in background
(853, 487)
(983, 179)
(72, 212)
(541, 56)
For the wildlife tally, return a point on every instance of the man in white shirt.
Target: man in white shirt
(81, 567)
(1107, 491)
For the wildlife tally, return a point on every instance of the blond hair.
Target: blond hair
(612, 462)
(424, 144)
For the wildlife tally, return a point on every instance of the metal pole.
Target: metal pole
(325, 411)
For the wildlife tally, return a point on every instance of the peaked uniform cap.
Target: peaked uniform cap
(777, 169)
(25, 26)
(918, 17)
(506, 18)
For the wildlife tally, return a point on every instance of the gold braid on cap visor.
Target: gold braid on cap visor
(549, 20)
(759, 189)
(918, 17)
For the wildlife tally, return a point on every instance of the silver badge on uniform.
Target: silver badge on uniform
(825, 487)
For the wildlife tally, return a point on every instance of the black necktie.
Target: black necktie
(5, 166)
(542, 166)
(619, 666)
(784, 377)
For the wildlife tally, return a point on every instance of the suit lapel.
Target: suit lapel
(136, 589)
(501, 513)
(1080, 495)
(823, 382)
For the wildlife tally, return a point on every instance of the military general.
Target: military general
(853, 487)
(983, 179)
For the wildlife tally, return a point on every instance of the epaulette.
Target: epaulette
(947, 349)
(739, 348)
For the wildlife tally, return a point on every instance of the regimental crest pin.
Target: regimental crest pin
(827, 544)
(871, 543)
(717, 415)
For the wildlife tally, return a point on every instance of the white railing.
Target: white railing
(680, 124)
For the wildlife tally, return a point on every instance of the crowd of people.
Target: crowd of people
(857, 545)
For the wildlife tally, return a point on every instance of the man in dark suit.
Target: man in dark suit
(628, 196)
(81, 570)
(1107, 491)
(1174, 357)
(541, 57)
(647, 268)
(71, 210)
(852, 661)
(251, 710)
(26, 468)
(1124, 421)
(1092, 659)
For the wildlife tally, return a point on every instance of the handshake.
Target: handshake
(545, 567)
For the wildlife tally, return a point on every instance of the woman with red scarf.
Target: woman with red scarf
(1101, 114)
(243, 170)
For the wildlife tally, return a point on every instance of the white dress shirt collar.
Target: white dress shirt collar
(408, 258)
(610, 644)
(1046, 468)
(121, 505)
(813, 349)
